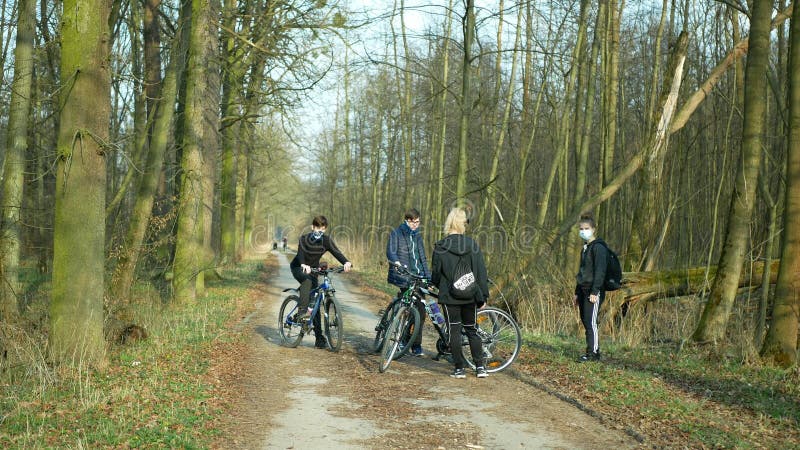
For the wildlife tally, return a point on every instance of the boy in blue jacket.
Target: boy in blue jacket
(405, 248)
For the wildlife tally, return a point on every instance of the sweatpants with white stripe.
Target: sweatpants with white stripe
(458, 317)
(588, 311)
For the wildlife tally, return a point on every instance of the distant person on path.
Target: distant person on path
(309, 251)
(405, 248)
(459, 271)
(284, 244)
(589, 289)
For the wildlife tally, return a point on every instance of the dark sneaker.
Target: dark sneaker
(591, 356)
(481, 372)
(416, 350)
(459, 373)
(321, 344)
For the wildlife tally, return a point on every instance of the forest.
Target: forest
(149, 143)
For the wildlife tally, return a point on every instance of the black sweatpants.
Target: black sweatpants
(588, 312)
(458, 317)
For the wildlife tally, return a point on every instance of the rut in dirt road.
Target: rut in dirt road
(312, 398)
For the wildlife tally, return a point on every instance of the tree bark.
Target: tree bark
(76, 308)
(230, 143)
(780, 345)
(468, 26)
(714, 320)
(189, 239)
(14, 164)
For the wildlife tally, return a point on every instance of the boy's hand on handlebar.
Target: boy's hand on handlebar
(347, 266)
(305, 268)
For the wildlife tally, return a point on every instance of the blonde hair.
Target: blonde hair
(456, 222)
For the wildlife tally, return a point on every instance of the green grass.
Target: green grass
(672, 397)
(152, 394)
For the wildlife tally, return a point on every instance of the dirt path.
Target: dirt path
(305, 398)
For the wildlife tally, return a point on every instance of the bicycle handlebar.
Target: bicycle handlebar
(404, 271)
(325, 271)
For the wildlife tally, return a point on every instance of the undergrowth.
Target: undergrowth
(152, 394)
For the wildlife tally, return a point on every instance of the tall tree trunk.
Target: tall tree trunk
(565, 122)
(468, 26)
(714, 320)
(780, 345)
(189, 238)
(646, 217)
(610, 93)
(14, 164)
(230, 143)
(439, 205)
(76, 308)
(164, 111)
(408, 124)
(210, 147)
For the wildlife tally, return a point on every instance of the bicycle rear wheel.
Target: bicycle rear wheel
(333, 323)
(291, 332)
(501, 339)
(383, 326)
(402, 330)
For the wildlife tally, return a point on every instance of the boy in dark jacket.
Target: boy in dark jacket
(589, 288)
(405, 248)
(309, 251)
(461, 312)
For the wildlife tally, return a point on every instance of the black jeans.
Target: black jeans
(307, 283)
(588, 312)
(458, 317)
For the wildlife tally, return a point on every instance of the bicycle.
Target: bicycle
(400, 323)
(500, 334)
(323, 303)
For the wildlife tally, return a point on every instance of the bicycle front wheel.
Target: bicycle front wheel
(401, 332)
(333, 324)
(291, 331)
(501, 339)
(383, 326)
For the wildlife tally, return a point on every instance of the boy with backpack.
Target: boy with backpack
(599, 272)
(459, 271)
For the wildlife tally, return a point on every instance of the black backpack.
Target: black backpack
(463, 286)
(613, 279)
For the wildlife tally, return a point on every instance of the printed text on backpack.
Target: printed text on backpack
(464, 285)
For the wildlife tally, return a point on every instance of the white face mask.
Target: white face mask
(586, 234)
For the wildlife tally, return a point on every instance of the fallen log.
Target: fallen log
(638, 286)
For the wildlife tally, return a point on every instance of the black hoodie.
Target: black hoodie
(445, 257)
(592, 272)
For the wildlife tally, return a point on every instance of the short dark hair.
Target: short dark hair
(412, 214)
(320, 221)
(587, 219)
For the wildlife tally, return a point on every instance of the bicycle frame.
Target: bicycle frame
(318, 293)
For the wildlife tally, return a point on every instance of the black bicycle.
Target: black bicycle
(400, 323)
(500, 335)
(323, 304)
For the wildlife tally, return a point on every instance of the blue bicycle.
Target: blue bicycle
(325, 309)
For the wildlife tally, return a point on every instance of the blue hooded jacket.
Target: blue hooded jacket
(405, 245)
